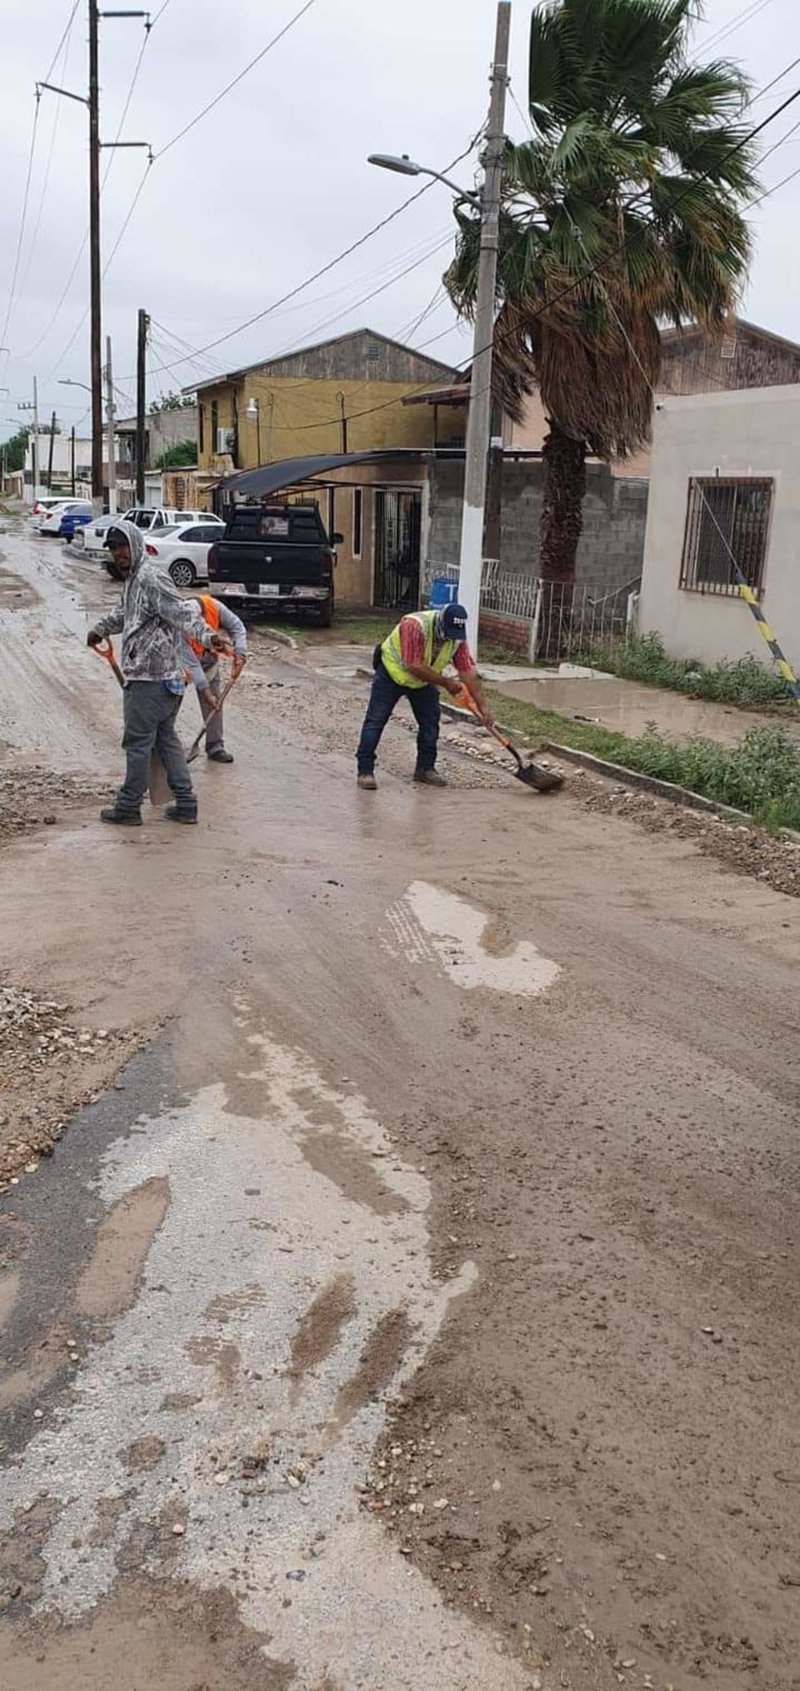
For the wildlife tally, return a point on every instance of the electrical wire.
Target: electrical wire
(61, 58)
(745, 16)
(22, 222)
(332, 263)
(237, 79)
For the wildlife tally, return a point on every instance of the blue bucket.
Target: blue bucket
(443, 592)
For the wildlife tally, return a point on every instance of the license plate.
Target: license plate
(270, 590)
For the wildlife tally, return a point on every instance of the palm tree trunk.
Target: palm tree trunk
(560, 528)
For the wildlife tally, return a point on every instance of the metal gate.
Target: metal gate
(398, 518)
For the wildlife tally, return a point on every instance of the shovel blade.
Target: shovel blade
(158, 784)
(544, 780)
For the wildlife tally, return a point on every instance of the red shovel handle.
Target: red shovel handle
(105, 649)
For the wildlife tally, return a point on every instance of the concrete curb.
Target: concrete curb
(282, 638)
(647, 783)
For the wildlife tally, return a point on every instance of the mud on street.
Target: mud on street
(410, 1298)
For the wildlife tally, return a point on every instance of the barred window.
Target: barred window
(727, 518)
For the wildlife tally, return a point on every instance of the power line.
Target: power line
(63, 54)
(237, 79)
(22, 221)
(324, 269)
(735, 23)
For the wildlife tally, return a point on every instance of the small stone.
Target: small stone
(496, 1486)
(178, 1531)
(38, 1414)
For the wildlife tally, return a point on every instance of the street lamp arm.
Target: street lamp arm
(405, 166)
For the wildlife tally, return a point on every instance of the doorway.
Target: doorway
(398, 525)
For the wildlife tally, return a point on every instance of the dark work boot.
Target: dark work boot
(429, 778)
(126, 818)
(185, 810)
(220, 756)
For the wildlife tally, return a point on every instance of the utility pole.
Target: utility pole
(112, 445)
(479, 417)
(50, 453)
(94, 263)
(141, 401)
(72, 458)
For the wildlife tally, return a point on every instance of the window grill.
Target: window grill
(727, 518)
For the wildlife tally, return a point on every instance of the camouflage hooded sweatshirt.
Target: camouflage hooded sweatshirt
(152, 618)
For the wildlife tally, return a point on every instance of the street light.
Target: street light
(404, 166)
(67, 382)
(479, 414)
(253, 413)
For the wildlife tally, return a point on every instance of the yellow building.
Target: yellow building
(343, 395)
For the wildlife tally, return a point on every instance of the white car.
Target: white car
(147, 517)
(40, 506)
(183, 549)
(50, 521)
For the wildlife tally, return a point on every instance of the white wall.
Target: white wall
(755, 432)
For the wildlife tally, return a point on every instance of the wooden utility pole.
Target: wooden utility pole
(50, 453)
(94, 262)
(141, 402)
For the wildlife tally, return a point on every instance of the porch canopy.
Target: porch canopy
(291, 472)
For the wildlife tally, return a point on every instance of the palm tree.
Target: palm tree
(622, 212)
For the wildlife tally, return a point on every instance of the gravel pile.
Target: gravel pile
(48, 1069)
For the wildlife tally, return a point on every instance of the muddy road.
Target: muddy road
(416, 1309)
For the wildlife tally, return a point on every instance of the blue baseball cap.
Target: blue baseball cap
(454, 622)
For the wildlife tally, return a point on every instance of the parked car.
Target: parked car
(74, 522)
(145, 517)
(50, 521)
(39, 506)
(183, 549)
(278, 555)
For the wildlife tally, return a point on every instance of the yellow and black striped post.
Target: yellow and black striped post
(783, 667)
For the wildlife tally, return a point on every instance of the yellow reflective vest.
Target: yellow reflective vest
(392, 658)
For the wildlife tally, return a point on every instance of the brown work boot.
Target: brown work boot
(367, 783)
(429, 778)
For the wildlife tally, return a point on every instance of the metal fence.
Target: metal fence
(565, 619)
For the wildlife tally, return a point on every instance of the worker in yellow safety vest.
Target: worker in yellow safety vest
(410, 663)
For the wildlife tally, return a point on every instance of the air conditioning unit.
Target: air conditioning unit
(226, 440)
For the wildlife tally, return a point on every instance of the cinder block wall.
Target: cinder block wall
(611, 549)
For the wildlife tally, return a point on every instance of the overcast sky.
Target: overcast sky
(274, 182)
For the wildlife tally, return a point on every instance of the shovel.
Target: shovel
(531, 773)
(158, 785)
(198, 741)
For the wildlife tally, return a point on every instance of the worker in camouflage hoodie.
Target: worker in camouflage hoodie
(153, 620)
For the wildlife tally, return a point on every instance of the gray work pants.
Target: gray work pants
(208, 697)
(149, 713)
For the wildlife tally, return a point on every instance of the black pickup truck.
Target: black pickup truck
(275, 556)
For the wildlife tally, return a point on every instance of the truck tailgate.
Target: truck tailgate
(285, 566)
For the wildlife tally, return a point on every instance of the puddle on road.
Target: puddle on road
(430, 925)
(288, 1393)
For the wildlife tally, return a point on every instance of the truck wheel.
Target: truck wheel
(325, 617)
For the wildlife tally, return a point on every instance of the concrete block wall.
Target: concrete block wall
(611, 549)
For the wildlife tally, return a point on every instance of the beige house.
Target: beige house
(724, 482)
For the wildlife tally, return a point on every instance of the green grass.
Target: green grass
(760, 776)
(643, 658)
(346, 631)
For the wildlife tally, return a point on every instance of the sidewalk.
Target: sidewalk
(626, 706)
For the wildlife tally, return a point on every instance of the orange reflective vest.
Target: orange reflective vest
(210, 610)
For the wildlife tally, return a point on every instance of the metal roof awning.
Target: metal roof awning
(289, 472)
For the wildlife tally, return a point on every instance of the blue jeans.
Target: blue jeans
(424, 702)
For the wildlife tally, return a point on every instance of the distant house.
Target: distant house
(691, 362)
(340, 395)
(723, 482)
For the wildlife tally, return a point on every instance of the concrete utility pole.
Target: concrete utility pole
(143, 324)
(480, 398)
(72, 458)
(50, 453)
(112, 445)
(33, 405)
